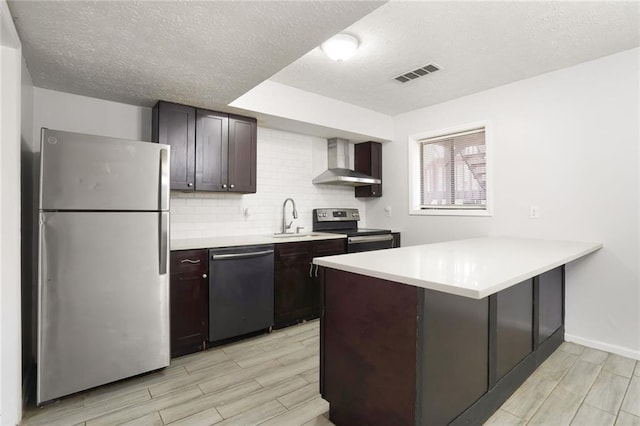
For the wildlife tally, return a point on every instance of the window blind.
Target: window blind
(453, 171)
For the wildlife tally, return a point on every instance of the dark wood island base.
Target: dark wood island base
(396, 354)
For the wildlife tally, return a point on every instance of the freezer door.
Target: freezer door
(103, 302)
(85, 172)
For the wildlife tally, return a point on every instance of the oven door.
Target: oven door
(370, 242)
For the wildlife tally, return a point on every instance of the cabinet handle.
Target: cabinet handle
(204, 275)
(224, 186)
(310, 269)
(316, 274)
(190, 184)
(194, 262)
(231, 186)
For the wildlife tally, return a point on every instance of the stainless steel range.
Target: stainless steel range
(345, 221)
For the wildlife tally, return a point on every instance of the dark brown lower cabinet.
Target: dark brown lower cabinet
(189, 301)
(293, 295)
(368, 344)
(297, 280)
(395, 354)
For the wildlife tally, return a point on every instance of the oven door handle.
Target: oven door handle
(370, 239)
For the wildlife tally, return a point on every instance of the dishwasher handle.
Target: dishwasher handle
(240, 255)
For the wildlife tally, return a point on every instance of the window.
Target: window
(449, 172)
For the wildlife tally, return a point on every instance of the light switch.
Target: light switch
(387, 211)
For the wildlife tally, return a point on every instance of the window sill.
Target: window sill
(452, 212)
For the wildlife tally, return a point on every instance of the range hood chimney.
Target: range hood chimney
(339, 172)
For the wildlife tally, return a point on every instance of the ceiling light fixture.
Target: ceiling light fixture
(340, 47)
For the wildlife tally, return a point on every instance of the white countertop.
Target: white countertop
(249, 240)
(473, 268)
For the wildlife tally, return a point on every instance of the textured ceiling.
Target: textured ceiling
(204, 53)
(208, 53)
(479, 45)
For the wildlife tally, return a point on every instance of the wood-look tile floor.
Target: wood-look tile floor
(576, 386)
(273, 380)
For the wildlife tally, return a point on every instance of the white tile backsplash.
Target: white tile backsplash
(286, 164)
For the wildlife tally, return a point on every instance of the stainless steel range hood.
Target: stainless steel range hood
(339, 172)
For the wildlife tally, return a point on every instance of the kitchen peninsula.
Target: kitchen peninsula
(441, 333)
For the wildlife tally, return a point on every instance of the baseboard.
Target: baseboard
(618, 350)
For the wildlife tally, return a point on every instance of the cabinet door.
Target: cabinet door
(175, 125)
(189, 301)
(294, 297)
(368, 160)
(514, 326)
(242, 154)
(323, 248)
(329, 247)
(551, 302)
(212, 133)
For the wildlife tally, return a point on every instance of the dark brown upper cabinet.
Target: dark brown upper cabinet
(242, 154)
(175, 125)
(210, 151)
(212, 134)
(368, 160)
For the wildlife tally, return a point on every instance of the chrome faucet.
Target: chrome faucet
(294, 213)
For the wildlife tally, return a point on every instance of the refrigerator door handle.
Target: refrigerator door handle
(164, 241)
(41, 303)
(164, 179)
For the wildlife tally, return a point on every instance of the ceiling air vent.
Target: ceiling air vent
(419, 72)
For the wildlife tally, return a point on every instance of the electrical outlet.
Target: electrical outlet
(534, 212)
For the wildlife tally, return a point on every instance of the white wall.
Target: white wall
(28, 241)
(10, 343)
(298, 106)
(26, 119)
(286, 164)
(567, 141)
(73, 113)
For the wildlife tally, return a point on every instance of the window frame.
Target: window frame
(414, 143)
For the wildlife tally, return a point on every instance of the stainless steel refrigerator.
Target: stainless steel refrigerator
(103, 279)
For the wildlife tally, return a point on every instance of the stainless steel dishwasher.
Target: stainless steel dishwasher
(240, 290)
